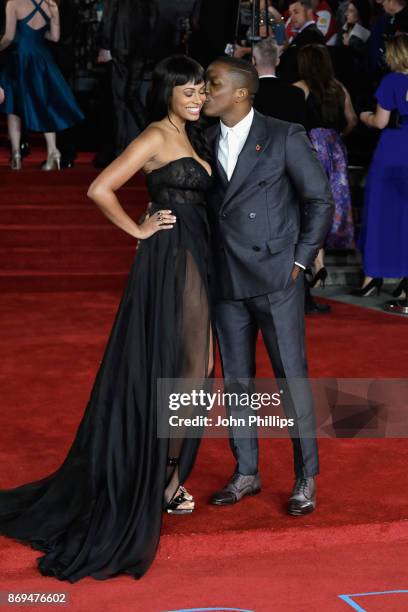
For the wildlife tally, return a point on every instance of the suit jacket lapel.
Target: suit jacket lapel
(252, 151)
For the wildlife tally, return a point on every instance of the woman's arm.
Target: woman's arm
(349, 113)
(379, 119)
(54, 32)
(11, 22)
(102, 190)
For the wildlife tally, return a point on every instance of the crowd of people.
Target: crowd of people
(322, 64)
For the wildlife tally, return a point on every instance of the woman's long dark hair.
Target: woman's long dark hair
(316, 69)
(169, 73)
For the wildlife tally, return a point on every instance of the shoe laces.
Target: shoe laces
(301, 486)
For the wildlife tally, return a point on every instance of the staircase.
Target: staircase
(54, 238)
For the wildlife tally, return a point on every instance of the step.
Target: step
(342, 258)
(16, 281)
(62, 215)
(349, 275)
(63, 236)
(63, 195)
(81, 176)
(56, 260)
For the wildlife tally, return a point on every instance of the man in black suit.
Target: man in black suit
(270, 208)
(127, 33)
(275, 97)
(301, 15)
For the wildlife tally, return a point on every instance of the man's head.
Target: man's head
(265, 57)
(300, 12)
(392, 7)
(231, 86)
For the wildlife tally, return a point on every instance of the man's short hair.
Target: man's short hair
(267, 52)
(307, 4)
(243, 71)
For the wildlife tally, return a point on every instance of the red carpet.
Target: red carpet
(250, 556)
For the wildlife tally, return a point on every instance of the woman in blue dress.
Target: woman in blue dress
(35, 90)
(383, 239)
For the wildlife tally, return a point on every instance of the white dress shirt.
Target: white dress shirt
(231, 143)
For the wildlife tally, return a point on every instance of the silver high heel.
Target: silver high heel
(16, 161)
(53, 161)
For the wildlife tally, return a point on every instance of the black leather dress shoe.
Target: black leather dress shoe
(303, 498)
(239, 486)
(315, 308)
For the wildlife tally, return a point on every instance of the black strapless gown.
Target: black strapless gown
(99, 514)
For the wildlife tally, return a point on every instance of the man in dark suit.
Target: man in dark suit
(127, 33)
(301, 15)
(275, 97)
(270, 209)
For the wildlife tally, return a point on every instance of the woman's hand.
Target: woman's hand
(2, 96)
(160, 220)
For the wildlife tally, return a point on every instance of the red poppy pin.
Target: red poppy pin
(258, 147)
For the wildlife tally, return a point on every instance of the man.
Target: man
(397, 11)
(302, 21)
(270, 208)
(279, 99)
(325, 21)
(127, 38)
(275, 97)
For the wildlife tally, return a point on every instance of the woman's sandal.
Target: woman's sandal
(181, 503)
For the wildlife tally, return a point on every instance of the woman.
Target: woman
(356, 30)
(330, 115)
(100, 513)
(35, 89)
(383, 239)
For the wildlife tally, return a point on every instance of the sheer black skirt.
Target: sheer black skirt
(100, 512)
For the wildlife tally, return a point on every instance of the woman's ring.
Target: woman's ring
(160, 216)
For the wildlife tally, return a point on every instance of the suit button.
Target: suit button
(223, 215)
(256, 248)
(252, 215)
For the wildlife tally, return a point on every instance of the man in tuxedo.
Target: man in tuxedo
(270, 208)
(275, 97)
(301, 17)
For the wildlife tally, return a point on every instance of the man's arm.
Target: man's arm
(314, 194)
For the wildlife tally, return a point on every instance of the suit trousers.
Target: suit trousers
(280, 318)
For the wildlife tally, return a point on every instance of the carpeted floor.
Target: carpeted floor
(249, 556)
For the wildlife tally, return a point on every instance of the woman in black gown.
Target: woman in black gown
(100, 513)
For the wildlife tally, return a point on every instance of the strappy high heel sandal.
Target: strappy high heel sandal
(182, 501)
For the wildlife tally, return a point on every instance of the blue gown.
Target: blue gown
(35, 89)
(383, 239)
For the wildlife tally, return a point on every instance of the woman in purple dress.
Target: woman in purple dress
(330, 114)
(383, 239)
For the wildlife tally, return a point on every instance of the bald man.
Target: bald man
(271, 208)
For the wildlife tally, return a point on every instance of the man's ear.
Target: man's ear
(241, 94)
